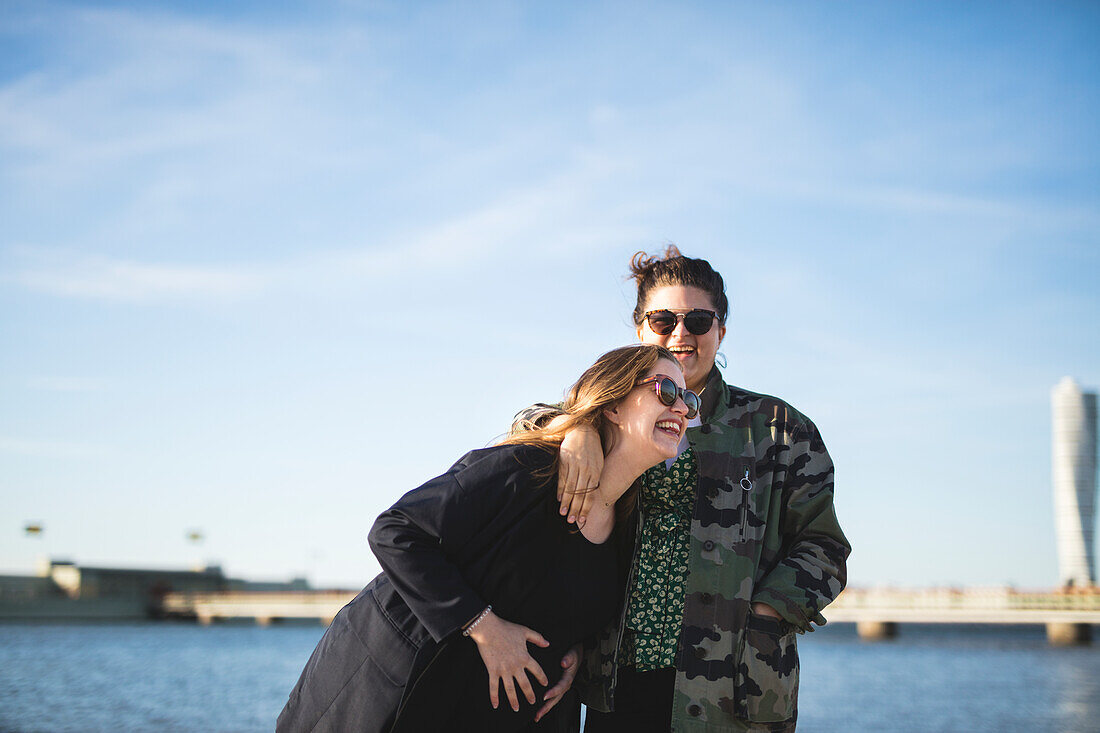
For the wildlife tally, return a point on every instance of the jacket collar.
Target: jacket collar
(714, 398)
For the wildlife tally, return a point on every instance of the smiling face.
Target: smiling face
(695, 353)
(647, 428)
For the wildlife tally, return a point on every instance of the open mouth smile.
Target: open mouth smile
(672, 427)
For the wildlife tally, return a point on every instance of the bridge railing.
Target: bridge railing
(970, 598)
(260, 605)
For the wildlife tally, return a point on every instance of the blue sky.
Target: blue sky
(264, 269)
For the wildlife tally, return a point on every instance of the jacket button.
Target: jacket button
(709, 545)
(700, 652)
(706, 599)
(695, 711)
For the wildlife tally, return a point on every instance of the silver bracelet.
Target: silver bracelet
(481, 617)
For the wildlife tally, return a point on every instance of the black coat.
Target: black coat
(475, 535)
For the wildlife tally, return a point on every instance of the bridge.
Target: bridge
(263, 606)
(1067, 614)
(877, 612)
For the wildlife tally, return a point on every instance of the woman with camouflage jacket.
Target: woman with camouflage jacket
(736, 548)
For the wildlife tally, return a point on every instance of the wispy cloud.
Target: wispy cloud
(929, 201)
(556, 214)
(562, 213)
(72, 274)
(145, 85)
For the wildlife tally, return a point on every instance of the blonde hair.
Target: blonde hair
(603, 385)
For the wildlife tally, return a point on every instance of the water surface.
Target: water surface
(180, 677)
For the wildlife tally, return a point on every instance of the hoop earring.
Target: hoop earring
(720, 360)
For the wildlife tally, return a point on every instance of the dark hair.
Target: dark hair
(672, 268)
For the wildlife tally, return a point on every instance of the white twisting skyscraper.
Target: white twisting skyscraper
(1074, 474)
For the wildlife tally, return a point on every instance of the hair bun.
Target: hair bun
(673, 268)
(643, 264)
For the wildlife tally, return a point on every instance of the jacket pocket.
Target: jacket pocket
(768, 671)
(383, 629)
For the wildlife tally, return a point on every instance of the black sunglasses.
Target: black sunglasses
(697, 321)
(668, 391)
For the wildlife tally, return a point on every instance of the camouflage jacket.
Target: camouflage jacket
(763, 530)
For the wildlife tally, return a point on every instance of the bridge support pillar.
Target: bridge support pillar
(877, 630)
(204, 618)
(1062, 634)
(263, 620)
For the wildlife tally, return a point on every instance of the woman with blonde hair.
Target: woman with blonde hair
(485, 586)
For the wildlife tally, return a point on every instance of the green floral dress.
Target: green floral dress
(656, 605)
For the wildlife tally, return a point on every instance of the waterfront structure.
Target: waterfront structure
(65, 590)
(141, 584)
(1073, 467)
(1068, 614)
(262, 606)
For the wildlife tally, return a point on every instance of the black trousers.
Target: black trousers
(643, 704)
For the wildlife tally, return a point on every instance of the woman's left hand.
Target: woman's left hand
(571, 662)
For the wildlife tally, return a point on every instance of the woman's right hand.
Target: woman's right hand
(579, 468)
(503, 648)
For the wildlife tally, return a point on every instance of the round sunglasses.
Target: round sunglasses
(667, 392)
(663, 322)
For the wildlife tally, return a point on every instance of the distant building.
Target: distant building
(16, 589)
(63, 589)
(1074, 477)
(82, 581)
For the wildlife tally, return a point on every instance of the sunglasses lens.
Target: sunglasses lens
(667, 391)
(662, 322)
(692, 401)
(698, 322)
